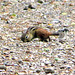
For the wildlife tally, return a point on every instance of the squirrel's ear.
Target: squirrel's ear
(24, 31)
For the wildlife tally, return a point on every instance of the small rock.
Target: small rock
(48, 70)
(66, 30)
(62, 67)
(17, 44)
(32, 68)
(13, 58)
(8, 22)
(21, 73)
(52, 64)
(56, 59)
(71, 4)
(2, 52)
(31, 7)
(11, 51)
(20, 62)
(38, 70)
(16, 58)
(7, 56)
(16, 73)
(26, 59)
(61, 41)
(65, 25)
(6, 63)
(3, 57)
(40, 1)
(15, 64)
(6, 53)
(47, 62)
(10, 70)
(26, 8)
(56, 21)
(42, 64)
(2, 67)
(64, 13)
(28, 51)
(46, 49)
(65, 62)
(68, 67)
(32, 0)
(6, 48)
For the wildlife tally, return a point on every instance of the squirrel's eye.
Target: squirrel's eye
(26, 37)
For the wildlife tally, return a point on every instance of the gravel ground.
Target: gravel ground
(56, 57)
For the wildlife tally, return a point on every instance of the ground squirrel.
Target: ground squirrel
(37, 32)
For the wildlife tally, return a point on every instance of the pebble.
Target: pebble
(11, 51)
(48, 70)
(68, 67)
(8, 22)
(56, 59)
(21, 73)
(20, 62)
(31, 7)
(15, 64)
(6, 48)
(62, 30)
(16, 58)
(2, 67)
(55, 21)
(42, 64)
(64, 13)
(65, 62)
(47, 62)
(13, 58)
(25, 8)
(28, 52)
(39, 1)
(52, 64)
(38, 70)
(46, 49)
(62, 67)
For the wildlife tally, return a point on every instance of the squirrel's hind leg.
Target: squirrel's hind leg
(47, 40)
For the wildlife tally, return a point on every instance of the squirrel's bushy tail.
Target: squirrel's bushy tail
(54, 34)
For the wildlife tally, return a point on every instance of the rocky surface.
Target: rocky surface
(56, 57)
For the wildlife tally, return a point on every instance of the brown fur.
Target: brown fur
(36, 32)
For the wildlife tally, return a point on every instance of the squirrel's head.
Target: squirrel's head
(29, 34)
(26, 37)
